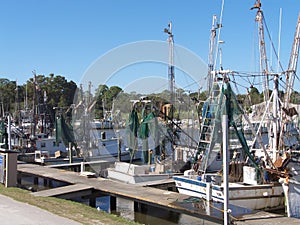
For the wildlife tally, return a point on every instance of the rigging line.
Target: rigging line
(246, 76)
(247, 80)
(179, 63)
(283, 73)
(249, 74)
(283, 86)
(273, 47)
(235, 84)
(257, 83)
(297, 76)
(243, 79)
(238, 84)
(193, 83)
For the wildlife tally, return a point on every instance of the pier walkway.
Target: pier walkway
(173, 201)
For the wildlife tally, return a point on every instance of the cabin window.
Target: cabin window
(43, 145)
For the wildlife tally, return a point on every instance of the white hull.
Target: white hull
(266, 196)
(133, 174)
(109, 148)
(292, 189)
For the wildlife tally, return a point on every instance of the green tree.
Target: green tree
(104, 98)
(52, 92)
(7, 95)
(295, 97)
(255, 96)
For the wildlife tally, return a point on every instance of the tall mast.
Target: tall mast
(211, 53)
(276, 129)
(26, 98)
(291, 72)
(34, 104)
(290, 76)
(262, 49)
(89, 94)
(17, 111)
(171, 74)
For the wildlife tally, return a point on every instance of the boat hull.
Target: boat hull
(258, 197)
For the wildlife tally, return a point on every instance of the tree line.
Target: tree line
(53, 92)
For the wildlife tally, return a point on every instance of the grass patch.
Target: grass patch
(65, 208)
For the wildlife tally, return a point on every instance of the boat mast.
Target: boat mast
(291, 72)
(214, 50)
(34, 105)
(211, 53)
(274, 140)
(171, 74)
(26, 98)
(89, 93)
(262, 49)
(290, 75)
(171, 77)
(17, 104)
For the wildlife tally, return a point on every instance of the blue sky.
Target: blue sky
(65, 37)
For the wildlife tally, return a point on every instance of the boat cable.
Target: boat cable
(272, 43)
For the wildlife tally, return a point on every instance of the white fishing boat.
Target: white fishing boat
(47, 147)
(248, 188)
(105, 145)
(253, 174)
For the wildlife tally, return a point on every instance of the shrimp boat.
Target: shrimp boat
(249, 185)
(253, 173)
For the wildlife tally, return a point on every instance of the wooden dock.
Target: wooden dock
(66, 192)
(173, 201)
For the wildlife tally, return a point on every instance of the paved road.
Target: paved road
(18, 213)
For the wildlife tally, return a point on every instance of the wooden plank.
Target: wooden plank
(71, 191)
(103, 162)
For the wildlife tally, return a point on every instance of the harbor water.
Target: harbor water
(146, 214)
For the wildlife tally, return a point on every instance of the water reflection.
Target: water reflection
(147, 214)
(32, 183)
